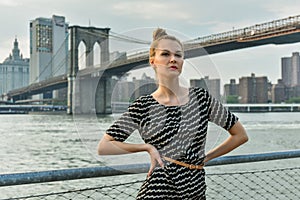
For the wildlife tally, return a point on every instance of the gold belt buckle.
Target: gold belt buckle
(192, 166)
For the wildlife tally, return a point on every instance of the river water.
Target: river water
(46, 142)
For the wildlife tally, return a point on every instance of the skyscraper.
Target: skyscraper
(290, 70)
(253, 89)
(145, 85)
(48, 48)
(14, 71)
(295, 69)
(231, 89)
(278, 92)
(212, 85)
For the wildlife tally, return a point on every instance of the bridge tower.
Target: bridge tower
(76, 85)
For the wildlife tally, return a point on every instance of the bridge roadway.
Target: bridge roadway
(50, 84)
(282, 31)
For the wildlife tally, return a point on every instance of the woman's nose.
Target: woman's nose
(172, 59)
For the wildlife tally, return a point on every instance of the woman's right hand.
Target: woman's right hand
(154, 158)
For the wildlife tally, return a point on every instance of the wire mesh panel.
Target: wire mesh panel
(267, 184)
(118, 191)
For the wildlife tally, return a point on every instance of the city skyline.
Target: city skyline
(193, 19)
(236, 78)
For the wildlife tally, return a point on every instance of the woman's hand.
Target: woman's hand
(154, 158)
(108, 146)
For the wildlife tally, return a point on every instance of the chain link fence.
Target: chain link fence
(273, 184)
(268, 184)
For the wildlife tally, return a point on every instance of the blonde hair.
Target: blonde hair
(160, 34)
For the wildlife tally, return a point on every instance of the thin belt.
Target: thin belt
(190, 166)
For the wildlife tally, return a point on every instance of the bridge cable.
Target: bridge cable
(119, 37)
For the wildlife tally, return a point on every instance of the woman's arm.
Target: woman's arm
(109, 146)
(237, 137)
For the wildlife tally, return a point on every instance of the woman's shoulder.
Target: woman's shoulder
(199, 90)
(143, 101)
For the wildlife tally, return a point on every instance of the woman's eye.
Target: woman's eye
(164, 54)
(178, 55)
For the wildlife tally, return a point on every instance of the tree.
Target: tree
(232, 99)
(293, 100)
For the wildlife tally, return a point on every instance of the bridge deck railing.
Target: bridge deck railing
(276, 26)
(292, 22)
(275, 183)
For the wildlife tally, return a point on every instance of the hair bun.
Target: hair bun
(159, 32)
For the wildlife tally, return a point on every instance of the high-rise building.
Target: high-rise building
(14, 71)
(48, 48)
(262, 89)
(231, 89)
(144, 86)
(253, 89)
(290, 70)
(212, 85)
(295, 69)
(286, 71)
(278, 92)
(125, 91)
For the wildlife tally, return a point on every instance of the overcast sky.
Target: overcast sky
(193, 19)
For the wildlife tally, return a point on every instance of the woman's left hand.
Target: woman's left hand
(154, 158)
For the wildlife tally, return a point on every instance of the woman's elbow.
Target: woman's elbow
(100, 149)
(243, 135)
(240, 132)
(244, 138)
(104, 145)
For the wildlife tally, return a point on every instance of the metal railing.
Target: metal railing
(257, 184)
(292, 22)
(242, 34)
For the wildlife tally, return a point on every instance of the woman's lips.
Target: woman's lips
(173, 67)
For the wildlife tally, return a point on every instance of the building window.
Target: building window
(44, 38)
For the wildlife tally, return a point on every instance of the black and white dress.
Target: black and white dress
(178, 132)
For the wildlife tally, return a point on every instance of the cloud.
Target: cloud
(151, 10)
(284, 9)
(10, 3)
(194, 18)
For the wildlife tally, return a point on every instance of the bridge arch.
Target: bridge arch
(89, 36)
(92, 58)
(97, 54)
(81, 55)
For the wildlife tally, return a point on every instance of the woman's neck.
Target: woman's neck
(171, 93)
(169, 88)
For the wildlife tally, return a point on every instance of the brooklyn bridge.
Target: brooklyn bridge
(95, 80)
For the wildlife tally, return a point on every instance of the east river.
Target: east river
(46, 142)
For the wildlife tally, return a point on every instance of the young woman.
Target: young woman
(173, 123)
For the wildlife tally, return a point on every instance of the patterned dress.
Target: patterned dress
(178, 132)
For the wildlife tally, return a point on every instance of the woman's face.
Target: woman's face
(168, 59)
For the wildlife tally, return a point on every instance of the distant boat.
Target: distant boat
(13, 112)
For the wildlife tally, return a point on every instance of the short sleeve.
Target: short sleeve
(219, 114)
(122, 128)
